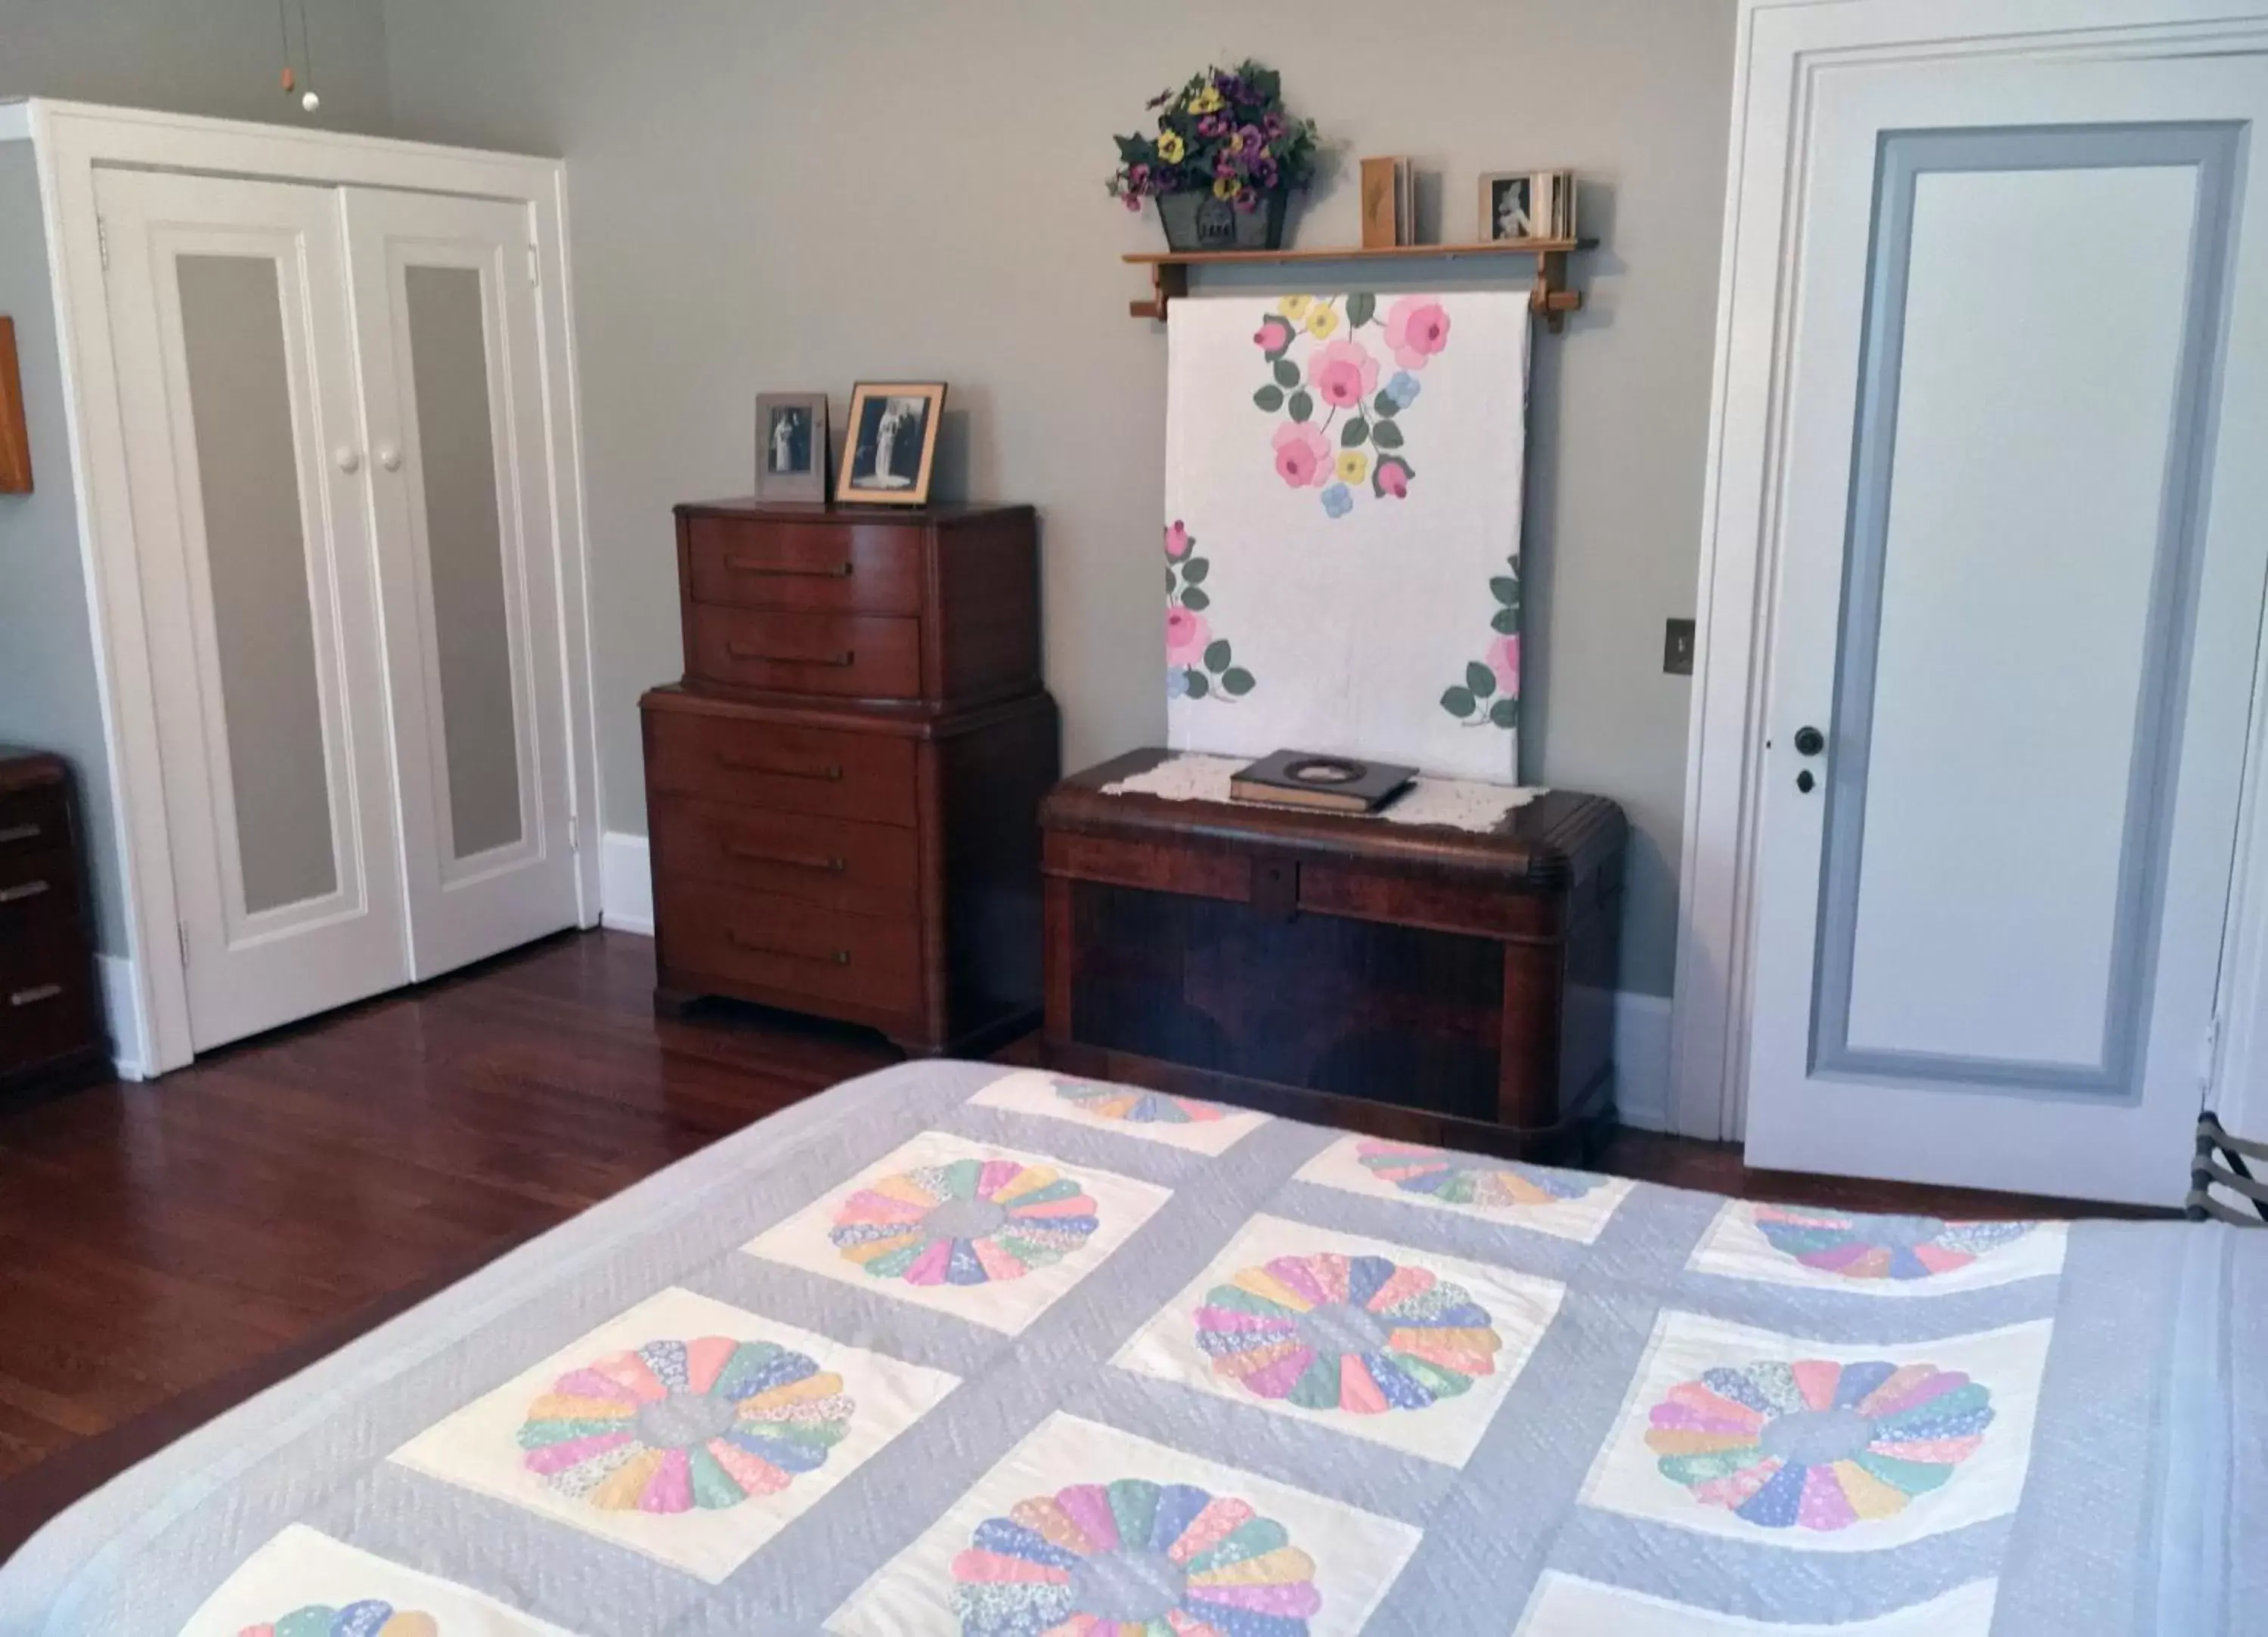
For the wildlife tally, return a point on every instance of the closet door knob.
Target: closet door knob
(389, 457)
(349, 459)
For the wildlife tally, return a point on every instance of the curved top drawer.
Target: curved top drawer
(854, 568)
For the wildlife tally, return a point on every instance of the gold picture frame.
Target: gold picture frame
(886, 462)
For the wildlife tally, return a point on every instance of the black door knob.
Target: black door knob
(1810, 741)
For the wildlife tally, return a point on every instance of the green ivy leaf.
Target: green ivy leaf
(1360, 305)
(1458, 702)
(1386, 434)
(1384, 407)
(1354, 434)
(1301, 405)
(1504, 713)
(1236, 681)
(1194, 571)
(1195, 600)
(1268, 399)
(1215, 654)
(1506, 622)
(1287, 373)
(1198, 686)
(1506, 589)
(1480, 680)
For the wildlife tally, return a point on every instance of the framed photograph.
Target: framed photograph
(791, 446)
(892, 445)
(1528, 204)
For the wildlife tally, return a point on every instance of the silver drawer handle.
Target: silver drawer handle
(19, 832)
(37, 993)
(24, 890)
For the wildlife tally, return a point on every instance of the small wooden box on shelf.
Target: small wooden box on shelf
(842, 792)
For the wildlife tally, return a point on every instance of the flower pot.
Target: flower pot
(1195, 220)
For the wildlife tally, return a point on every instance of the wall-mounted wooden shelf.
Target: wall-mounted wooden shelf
(1549, 296)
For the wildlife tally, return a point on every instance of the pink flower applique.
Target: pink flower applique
(1177, 539)
(1416, 327)
(1303, 456)
(1186, 635)
(1343, 374)
(1274, 334)
(1391, 476)
(1504, 659)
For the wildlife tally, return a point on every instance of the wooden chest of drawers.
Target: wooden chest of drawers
(51, 1031)
(843, 794)
(1417, 982)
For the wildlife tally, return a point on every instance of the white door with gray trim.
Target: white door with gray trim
(445, 323)
(2011, 669)
(228, 316)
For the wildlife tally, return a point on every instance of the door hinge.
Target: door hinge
(102, 240)
(532, 277)
(181, 929)
(2207, 1051)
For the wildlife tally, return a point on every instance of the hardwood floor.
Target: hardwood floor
(168, 1249)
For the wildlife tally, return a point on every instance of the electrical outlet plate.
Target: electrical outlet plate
(1677, 648)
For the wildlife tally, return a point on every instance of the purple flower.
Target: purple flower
(1272, 124)
(1213, 125)
(1246, 199)
(1225, 163)
(1248, 143)
(1265, 173)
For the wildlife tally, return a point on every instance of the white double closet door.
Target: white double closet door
(337, 454)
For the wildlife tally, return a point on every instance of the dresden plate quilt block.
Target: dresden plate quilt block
(1822, 1447)
(1888, 1256)
(1405, 1348)
(1180, 1122)
(303, 1584)
(990, 1234)
(685, 1428)
(1571, 1204)
(1084, 1528)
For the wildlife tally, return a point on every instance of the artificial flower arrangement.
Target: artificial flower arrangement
(1223, 141)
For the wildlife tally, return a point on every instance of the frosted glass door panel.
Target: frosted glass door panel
(256, 561)
(228, 313)
(445, 317)
(464, 538)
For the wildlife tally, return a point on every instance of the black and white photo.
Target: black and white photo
(1507, 206)
(892, 443)
(791, 446)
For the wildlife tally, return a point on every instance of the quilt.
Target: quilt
(977, 1352)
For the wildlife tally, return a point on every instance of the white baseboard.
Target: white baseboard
(122, 1009)
(1641, 1021)
(1642, 1060)
(625, 884)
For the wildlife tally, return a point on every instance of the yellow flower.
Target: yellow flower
(1322, 319)
(1354, 465)
(1294, 307)
(1171, 147)
(1206, 102)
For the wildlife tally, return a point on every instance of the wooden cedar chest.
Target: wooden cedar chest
(1421, 983)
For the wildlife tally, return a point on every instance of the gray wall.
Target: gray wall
(768, 195)
(219, 58)
(47, 656)
(192, 56)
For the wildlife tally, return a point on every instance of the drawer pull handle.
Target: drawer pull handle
(22, 890)
(20, 833)
(832, 772)
(840, 957)
(757, 856)
(37, 993)
(749, 565)
(741, 650)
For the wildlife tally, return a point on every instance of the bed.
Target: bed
(961, 1349)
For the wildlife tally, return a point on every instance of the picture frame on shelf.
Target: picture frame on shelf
(792, 447)
(889, 452)
(1527, 205)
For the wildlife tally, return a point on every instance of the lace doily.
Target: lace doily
(1455, 803)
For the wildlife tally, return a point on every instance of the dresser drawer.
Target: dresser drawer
(825, 568)
(39, 885)
(781, 769)
(842, 656)
(871, 869)
(48, 1006)
(866, 963)
(33, 821)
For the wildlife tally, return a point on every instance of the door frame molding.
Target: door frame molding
(1781, 49)
(69, 141)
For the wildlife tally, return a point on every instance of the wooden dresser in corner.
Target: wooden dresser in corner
(51, 1032)
(842, 793)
